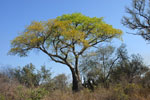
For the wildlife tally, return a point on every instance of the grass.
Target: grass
(12, 90)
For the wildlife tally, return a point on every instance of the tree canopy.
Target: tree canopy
(64, 38)
(63, 33)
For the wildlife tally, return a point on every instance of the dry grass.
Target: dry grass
(11, 90)
(99, 94)
(83, 95)
(7, 88)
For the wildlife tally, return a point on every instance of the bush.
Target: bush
(119, 93)
(31, 94)
(125, 91)
(2, 97)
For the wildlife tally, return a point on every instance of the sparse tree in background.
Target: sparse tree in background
(29, 77)
(64, 40)
(128, 68)
(97, 66)
(139, 18)
(7, 70)
(60, 82)
(45, 75)
(107, 65)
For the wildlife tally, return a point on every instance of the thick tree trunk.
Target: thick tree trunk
(76, 82)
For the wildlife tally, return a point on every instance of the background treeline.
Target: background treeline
(108, 73)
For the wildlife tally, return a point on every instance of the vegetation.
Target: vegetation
(98, 72)
(64, 40)
(30, 78)
(61, 82)
(108, 73)
(139, 19)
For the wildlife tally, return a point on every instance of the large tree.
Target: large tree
(139, 18)
(64, 39)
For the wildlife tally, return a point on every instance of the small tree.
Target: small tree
(64, 39)
(45, 75)
(61, 82)
(30, 77)
(139, 18)
(97, 66)
(27, 76)
(128, 68)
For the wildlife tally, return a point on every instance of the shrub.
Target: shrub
(2, 97)
(31, 94)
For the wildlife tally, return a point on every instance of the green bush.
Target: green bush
(119, 93)
(124, 92)
(31, 94)
(131, 88)
(2, 97)
(37, 94)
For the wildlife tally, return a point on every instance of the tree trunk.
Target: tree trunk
(76, 82)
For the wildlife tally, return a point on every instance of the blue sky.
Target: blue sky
(16, 14)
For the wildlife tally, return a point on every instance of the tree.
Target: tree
(45, 75)
(29, 77)
(64, 40)
(97, 66)
(61, 82)
(128, 68)
(139, 19)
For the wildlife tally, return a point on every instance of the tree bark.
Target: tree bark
(76, 82)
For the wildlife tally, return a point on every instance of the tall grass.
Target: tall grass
(12, 90)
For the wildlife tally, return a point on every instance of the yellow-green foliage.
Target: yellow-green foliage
(126, 92)
(2, 97)
(119, 93)
(67, 30)
(30, 94)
